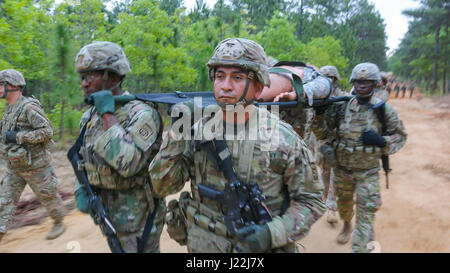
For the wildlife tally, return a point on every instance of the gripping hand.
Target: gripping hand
(255, 238)
(104, 102)
(372, 138)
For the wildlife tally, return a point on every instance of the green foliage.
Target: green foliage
(423, 53)
(168, 46)
(279, 40)
(145, 34)
(71, 120)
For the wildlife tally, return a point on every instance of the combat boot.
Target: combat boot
(332, 217)
(57, 230)
(345, 234)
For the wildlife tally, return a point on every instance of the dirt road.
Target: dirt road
(414, 217)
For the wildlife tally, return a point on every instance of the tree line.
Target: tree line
(424, 51)
(168, 45)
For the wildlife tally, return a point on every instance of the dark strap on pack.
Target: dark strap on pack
(290, 63)
(142, 241)
(296, 82)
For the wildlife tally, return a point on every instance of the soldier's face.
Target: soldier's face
(229, 85)
(363, 88)
(91, 82)
(2, 88)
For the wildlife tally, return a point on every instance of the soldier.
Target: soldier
(404, 90)
(333, 73)
(397, 89)
(411, 89)
(359, 145)
(120, 141)
(326, 158)
(281, 166)
(380, 91)
(26, 134)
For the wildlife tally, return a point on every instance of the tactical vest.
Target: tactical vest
(22, 156)
(253, 161)
(100, 174)
(350, 151)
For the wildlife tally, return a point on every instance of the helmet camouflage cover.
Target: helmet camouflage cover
(366, 71)
(12, 77)
(242, 53)
(102, 56)
(330, 71)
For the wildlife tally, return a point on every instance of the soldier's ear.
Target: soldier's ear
(258, 88)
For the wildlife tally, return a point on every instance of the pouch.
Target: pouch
(19, 157)
(176, 222)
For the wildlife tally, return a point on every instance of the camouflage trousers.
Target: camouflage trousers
(327, 175)
(368, 200)
(329, 195)
(43, 183)
(129, 210)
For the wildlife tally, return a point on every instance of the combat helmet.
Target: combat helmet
(330, 71)
(243, 53)
(271, 61)
(366, 71)
(102, 56)
(13, 77)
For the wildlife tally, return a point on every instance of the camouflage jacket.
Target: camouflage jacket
(382, 94)
(116, 161)
(300, 118)
(348, 121)
(34, 134)
(117, 158)
(337, 92)
(280, 164)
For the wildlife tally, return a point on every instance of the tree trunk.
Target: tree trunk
(300, 28)
(63, 102)
(444, 78)
(436, 58)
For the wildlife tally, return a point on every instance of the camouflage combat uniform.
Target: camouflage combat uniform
(116, 163)
(382, 94)
(288, 168)
(116, 160)
(301, 118)
(358, 164)
(280, 164)
(28, 161)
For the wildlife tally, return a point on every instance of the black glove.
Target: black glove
(372, 138)
(255, 238)
(11, 137)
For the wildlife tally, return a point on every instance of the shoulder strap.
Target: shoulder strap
(296, 81)
(21, 109)
(142, 241)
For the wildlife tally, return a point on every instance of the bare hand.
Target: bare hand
(286, 96)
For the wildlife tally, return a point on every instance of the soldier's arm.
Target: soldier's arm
(127, 149)
(41, 128)
(325, 124)
(169, 170)
(397, 134)
(305, 191)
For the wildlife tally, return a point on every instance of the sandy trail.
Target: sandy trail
(414, 217)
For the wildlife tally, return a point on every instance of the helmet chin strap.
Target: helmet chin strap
(366, 98)
(242, 101)
(105, 80)
(5, 84)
